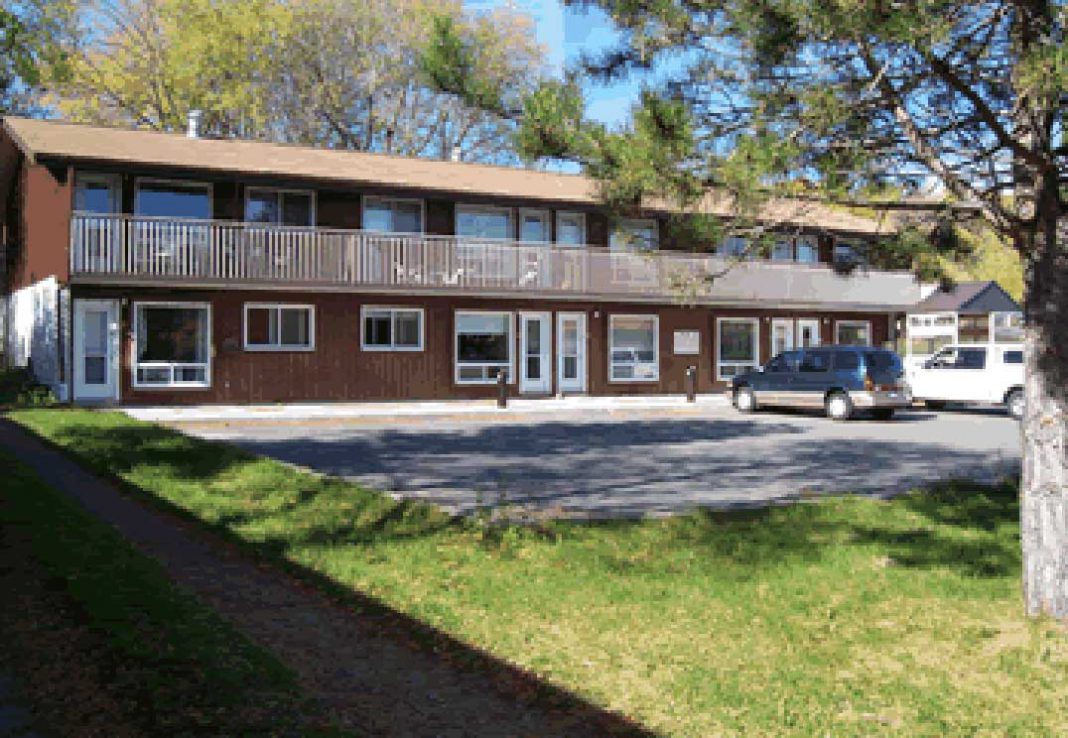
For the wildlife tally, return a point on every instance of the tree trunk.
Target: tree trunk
(1044, 479)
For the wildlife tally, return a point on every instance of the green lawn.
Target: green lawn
(848, 617)
(167, 664)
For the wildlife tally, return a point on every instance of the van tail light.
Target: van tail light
(869, 385)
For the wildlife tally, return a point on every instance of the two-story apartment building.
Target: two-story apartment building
(143, 267)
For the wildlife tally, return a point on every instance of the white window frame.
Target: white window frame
(456, 348)
(387, 198)
(278, 307)
(135, 364)
(853, 324)
(611, 349)
(755, 322)
(546, 222)
(393, 310)
(464, 207)
(560, 215)
(170, 181)
(283, 191)
(634, 224)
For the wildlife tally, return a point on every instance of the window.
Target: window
(737, 342)
(392, 329)
(734, 247)
(279, 327)
(97, 193)
(172, 199)
(1008, 327)
(392, 215)
(971, 358)
(172, 345)
(484, 343)
(883, 361)
(634, 234)
(279, 207)
(928, 346)
(534, 226)
(784, 362)
(973, 329)
(783, 250)
(633, 343)
(807, 250)
(570, 229)
(852, 333)
(483, 222)
(848, 254)
(1013, 357)
(815, 362)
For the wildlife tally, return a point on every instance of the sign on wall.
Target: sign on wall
(687, 343)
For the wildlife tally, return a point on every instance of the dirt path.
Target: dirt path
(358, 665)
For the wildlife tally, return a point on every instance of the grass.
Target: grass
(848, 617)
(168, 665)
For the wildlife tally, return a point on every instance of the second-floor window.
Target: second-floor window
(392, 215)
(570, 229)
(534, 226)
(96, 193)
(173, 199)
(279, 207)
(635, 234)
(481, 221)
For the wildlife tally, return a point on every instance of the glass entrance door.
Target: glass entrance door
(571, 351)
(782, 335)
(95, 350)
(808, 333)
(535, 375)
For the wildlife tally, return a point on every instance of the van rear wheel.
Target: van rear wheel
(838, 406)
(1014, 404)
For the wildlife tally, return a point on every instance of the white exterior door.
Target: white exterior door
(535, 336)
(571, 352)
(808, 333)
(782, 335)
(96, 350)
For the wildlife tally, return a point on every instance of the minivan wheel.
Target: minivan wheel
(838, 406)
(1014, 404)
(883, 413)
(745, 400)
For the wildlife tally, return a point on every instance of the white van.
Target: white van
(991, 374)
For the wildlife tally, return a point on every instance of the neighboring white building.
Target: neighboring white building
(972, 312)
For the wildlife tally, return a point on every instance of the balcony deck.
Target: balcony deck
(134, 250)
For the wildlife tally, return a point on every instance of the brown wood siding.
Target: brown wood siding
(339, 370)
(337, 209)
(44, 224)
(440, 217)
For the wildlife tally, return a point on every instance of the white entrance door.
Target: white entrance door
(535, 372)
(96, 332)
(808, 333)
(782, 335)
(571, 352)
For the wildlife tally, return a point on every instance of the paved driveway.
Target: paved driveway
(639, 462)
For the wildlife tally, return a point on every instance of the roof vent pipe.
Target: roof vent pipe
(194, 124)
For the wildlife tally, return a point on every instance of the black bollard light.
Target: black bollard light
(691, 384)
(502, 389)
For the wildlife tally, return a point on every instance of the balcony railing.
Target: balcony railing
(135, 249)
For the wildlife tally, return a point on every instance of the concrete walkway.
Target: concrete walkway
(295, 412)
(357, 665)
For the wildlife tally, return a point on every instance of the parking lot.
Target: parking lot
(635, 461)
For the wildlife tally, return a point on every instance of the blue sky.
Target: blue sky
(566, 33)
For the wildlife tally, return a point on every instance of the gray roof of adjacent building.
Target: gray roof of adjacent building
(969, 298)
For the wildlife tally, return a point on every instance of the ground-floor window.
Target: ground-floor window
(172, 344)
(484, 342)
(633, 345)
(279, 327)
(392, 329)
(737, 346)
(852, 333)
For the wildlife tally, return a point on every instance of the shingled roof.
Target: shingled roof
(968, 298)
(54, 140)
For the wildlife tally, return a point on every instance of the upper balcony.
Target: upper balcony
(135, 250)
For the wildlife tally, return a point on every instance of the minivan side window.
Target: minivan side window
(846, 360)
(881, 361)
(1013, 357)
(971, 358)
(815, 361)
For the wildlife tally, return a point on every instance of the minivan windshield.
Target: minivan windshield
(882, 361)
